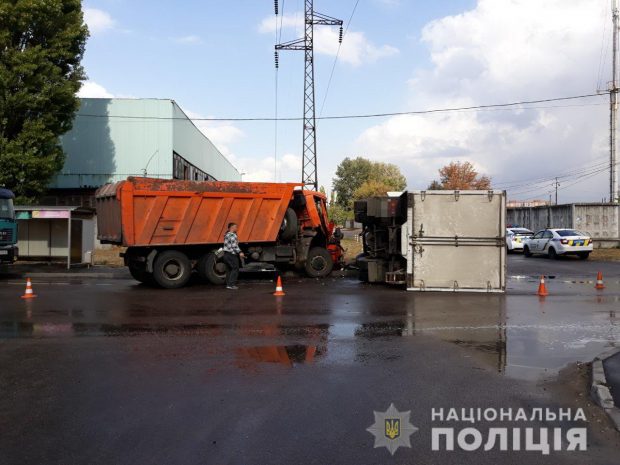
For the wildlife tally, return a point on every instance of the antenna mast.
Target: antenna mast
(311, 18)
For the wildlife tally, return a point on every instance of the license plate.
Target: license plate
(4, 252)
(578, 243)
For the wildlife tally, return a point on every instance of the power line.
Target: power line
(331, 74)
(600, 161)
(495, 106)
(586, 175)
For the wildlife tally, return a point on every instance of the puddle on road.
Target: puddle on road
(520, 335)
(287, 356)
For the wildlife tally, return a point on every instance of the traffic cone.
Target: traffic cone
(599, 281)
(279, 290)
(28, 294)
(542, 289)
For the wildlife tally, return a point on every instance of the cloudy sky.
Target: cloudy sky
(216, 60)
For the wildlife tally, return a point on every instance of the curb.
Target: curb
(599, 390)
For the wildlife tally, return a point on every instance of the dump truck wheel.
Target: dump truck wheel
(171, 269)
(212, 269)
(141, 275)
(319, 263)
(288, 230)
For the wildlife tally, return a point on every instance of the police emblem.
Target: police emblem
(392, 429)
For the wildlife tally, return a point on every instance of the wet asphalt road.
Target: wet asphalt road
(109, 371)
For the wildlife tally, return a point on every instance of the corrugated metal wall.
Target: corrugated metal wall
(105, 147)
(115, 138)
(194, 147)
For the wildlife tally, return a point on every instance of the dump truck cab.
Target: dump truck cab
(8, 227)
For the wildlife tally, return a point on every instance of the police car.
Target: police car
(515, 237)
(556, 242)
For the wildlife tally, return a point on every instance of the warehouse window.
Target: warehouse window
(182, 169)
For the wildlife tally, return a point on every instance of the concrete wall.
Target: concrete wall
(600, 220)
(537, 218)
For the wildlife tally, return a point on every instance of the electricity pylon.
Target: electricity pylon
(306, 43)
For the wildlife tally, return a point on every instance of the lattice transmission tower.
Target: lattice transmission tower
(306, 43)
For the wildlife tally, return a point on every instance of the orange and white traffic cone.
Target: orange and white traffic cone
(599, 281)
(28, 294)
(542, 288)
(279, 290)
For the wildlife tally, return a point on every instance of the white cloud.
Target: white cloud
(266, 169)
(98, 21)
(289, 20)
(91, 89)
(189, 39)
(502, 51)
(355, 50)
(221, 133)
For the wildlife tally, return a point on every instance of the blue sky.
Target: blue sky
(216, 59)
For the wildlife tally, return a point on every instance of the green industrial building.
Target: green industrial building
(112, 139)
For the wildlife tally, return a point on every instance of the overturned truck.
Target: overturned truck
(435, 240)
(172, 227)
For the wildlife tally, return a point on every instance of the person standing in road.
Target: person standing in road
(232, 254)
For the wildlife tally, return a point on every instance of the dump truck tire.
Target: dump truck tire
(141, 275)
(212, 269)
(288, 230)
(319, 263)
(171, 269)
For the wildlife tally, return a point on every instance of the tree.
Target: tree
(461, 176)
(388, 174)
(351, 174)
(339, 214)
(371, 188)
(435, 186)
(41, 48)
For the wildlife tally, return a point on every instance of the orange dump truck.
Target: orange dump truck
(172, 227)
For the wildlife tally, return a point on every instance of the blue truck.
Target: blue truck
(8, 227)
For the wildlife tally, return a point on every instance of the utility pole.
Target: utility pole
(311, 18)
(556, 184)
(613, 111)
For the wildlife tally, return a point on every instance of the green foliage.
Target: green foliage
(41, 48)
(351, 174)
(371, 188)
(339, 214)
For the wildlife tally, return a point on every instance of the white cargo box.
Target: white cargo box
(456, 241)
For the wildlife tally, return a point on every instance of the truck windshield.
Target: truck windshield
(7, 211)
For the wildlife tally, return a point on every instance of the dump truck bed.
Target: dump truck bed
(153, 212)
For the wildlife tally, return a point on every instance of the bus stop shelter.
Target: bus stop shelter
(53, 233)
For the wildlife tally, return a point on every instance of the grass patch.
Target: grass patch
(605, 255)
(352, 248)
(108, 257)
